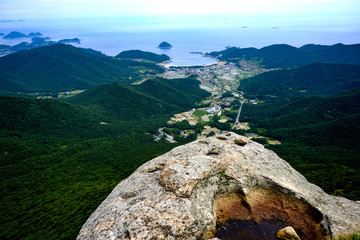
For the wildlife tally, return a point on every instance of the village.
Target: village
(212, 114)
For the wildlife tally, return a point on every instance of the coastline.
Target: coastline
(166, 65)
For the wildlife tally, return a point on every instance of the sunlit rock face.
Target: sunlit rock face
(193, 190)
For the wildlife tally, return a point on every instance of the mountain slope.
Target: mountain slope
(153, 97)
(43, 116)
(317, 133)
(338, 53)
(60, 68)
(285, 56)
(313, 79)
(58, 161)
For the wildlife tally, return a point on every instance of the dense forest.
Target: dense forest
(59, 160)
(152, 97)
(310, 80)
(61, 67)
(320, 137)
(137, 54)
(286, 56)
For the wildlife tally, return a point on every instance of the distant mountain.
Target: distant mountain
(72, 40)
(137, 54)
(40, 40)
(3, 46)
(15, 34)
(34, 34)
(134, 102)
(61, 68)
(285, 56)
(338, 53)
(313, 79)
(165, 45)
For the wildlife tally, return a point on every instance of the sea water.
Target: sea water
(114, 35)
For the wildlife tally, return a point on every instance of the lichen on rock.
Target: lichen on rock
(187, 192)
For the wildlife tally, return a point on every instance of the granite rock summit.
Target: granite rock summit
(190, 191)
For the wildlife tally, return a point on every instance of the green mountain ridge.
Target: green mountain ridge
(63, 67)
(152, 97)
(313, 79)
(286, 56)
(138, 54)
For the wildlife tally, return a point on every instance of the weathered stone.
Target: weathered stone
(287, 233)
(186, 192)
(242, 141)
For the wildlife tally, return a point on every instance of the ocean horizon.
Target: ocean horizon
(112, 37)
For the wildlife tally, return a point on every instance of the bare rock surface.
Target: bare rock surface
(189, 191)
(287, 233)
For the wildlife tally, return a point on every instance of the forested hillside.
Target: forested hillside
(61, 67)
(310, 80)
(137, 54)
(320, 137)
(286, 56)
(58, 160)
(152, 97)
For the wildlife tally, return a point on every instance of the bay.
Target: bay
(111, 36)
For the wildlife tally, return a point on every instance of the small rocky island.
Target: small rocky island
(165, 45)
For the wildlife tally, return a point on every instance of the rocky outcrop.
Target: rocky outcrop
(287, 233)
(190, 191)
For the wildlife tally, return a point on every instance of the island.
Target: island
(15, 34)
(74, 40)
(34, 34)
(142, 55)
(165, 45)
(39, 40)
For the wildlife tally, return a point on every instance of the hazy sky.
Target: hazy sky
(10, 9)
(343, 15)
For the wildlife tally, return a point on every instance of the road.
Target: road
(238, 114)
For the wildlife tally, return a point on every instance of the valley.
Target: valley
(222, 80)
(69, 142)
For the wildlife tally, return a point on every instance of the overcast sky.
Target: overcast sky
(90, 8)
(328, 13)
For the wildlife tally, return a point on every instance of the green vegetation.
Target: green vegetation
(200, 113)
(320, 137)
(314, 79)
(152, 97)
(285, 56)
(61, 67)
(137, 54)
(352, 236)
(59, 161)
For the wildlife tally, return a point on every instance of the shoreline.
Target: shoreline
(166, 65)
